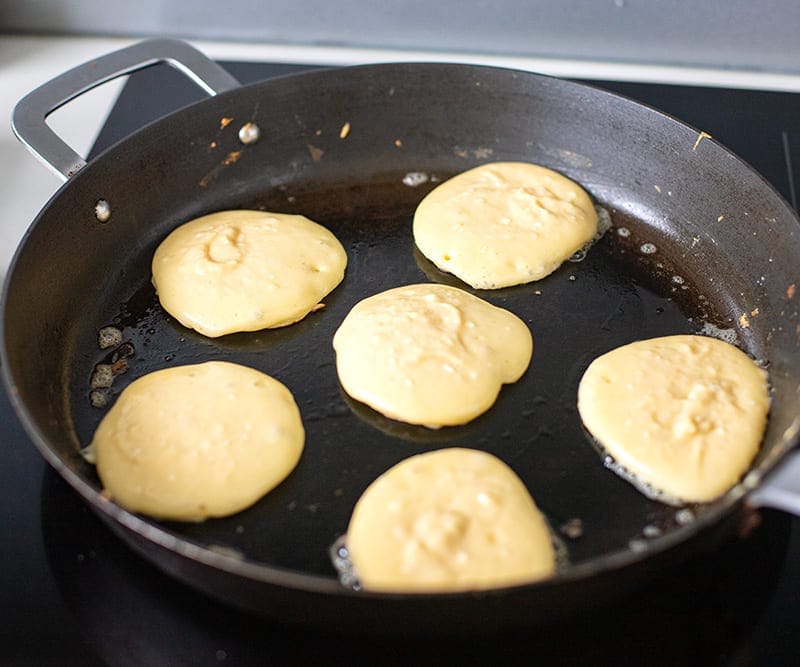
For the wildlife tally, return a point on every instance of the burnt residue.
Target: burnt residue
(108, 337)
(230, 158)
(110, 367)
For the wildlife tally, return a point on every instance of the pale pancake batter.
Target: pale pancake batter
(504, 223)
(448, 520)
(430, 354)
(684, 415)
(198, 441)
(246, 270)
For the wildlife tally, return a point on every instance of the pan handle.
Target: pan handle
(781, 488)
(28, 119)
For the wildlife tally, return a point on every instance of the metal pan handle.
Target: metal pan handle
(781, 488)
(28, 119)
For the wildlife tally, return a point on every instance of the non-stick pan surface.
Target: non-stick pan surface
(699, 243)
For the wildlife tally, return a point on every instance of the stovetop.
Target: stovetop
(72, 593)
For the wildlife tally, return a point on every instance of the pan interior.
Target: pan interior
(660, 269)
(584, 309)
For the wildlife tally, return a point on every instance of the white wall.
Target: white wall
(762, 35)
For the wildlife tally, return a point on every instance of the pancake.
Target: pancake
(430, 354)
(450, 520)
(682, 416)
(504, 223)
(197, 441)
(246, 270)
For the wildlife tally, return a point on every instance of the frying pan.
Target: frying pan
(699, 243)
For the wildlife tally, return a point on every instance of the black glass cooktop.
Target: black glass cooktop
(73, 594)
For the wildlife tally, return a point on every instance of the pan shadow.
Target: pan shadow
(413, 432)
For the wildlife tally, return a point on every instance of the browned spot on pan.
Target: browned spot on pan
(229, 159)
(316, 153)
(223, 123)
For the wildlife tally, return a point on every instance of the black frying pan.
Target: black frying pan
(726, 257)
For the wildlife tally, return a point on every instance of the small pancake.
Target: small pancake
(198, 441)
(684, 415)
(430, 354)
(246, 270)
(449, 520)
(504, 223)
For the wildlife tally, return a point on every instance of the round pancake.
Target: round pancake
(504, 223)
(448, 520)
(430, 354)
(683, 415)
(246, 270)
(198, 441)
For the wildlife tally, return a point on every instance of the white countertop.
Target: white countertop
(28, 61)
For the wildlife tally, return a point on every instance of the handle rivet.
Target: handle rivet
(249, 133)
(102, 210)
